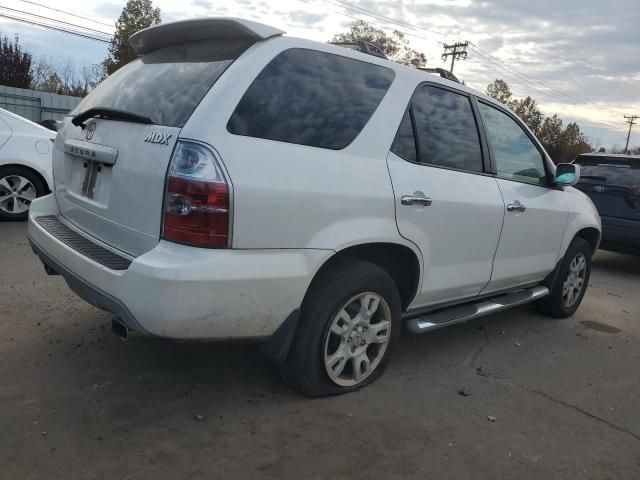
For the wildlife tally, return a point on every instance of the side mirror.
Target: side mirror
(567, 174)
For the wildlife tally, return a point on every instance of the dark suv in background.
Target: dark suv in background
(613, 183)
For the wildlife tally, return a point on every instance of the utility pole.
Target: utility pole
(455, 51)
(631, 122)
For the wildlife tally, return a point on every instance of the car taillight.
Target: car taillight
(196, 200)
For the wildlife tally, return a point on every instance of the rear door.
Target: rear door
(445, 203)
(110, 172)
(536, 213)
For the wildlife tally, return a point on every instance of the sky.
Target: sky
(577, 58)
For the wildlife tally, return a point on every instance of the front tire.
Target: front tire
(349, 324)
(19, 186)
(570, 284)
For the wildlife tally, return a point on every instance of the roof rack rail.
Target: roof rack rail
(364, 47)
(442, 72)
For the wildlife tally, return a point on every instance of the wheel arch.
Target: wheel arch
(400, 261)
(30, 168)
(591, 235)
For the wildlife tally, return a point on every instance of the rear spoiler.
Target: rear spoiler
(198, 29)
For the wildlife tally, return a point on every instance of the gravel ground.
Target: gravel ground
(77, 402)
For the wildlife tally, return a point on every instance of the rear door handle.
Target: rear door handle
(414, 200)
(516, 207)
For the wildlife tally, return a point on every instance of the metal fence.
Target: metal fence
(36, 106)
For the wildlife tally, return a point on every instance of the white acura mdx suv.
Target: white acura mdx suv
(235, 183)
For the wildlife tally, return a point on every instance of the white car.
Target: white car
(25, 164)
(236, 183)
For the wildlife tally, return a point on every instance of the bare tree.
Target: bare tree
(41, 70)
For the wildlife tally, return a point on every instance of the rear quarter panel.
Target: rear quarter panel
(295, 196)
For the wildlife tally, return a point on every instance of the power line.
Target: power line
(22, 12)
(516, 71)
(51, 27)
(380, 25)
(68, 13)
(557, 94)
(531, 83)
(547, 91)
(371, 13)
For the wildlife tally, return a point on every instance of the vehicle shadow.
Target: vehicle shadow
(617, 263)
(149, 374)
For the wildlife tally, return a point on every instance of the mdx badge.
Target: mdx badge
(159, 138)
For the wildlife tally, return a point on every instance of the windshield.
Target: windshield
(609, 170)
(165, 85)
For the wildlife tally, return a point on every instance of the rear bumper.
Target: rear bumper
(181, 292)
(620, 235)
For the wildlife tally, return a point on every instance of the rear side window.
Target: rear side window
(612, 171)
(404, 144)
(446, 129)
(311, 98)
(167, 84)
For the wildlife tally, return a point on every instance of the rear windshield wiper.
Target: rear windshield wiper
(110, 113)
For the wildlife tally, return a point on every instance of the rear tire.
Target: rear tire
(19, 186)
(349, 324)
(570, 284)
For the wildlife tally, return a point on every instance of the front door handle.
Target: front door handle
(516, 207)
(414, 200)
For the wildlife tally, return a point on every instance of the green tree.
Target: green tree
(527, 109)
(573, 143)
(499, 90)
(15, 64)
(395, 46)
(562, 144)
(135, 16)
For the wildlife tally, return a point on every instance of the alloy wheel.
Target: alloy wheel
(574, 283)
(357, 339)
(16, 194)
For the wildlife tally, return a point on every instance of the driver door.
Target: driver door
(536, 213)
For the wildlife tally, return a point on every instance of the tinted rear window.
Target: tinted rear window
(165, 85)
(404, 144)
(446, 129)
(311, 98)
(611, 171)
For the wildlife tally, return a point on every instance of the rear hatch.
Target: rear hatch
(613, 184)
(111, 156)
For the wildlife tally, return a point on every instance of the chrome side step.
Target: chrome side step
(453, 315)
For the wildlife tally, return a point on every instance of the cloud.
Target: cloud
(306, 18)
(206, 4)
(569, 52)
(587, 50)
(108, 10)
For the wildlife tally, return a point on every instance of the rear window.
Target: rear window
(311, 98)
(609, 170)
(167, 84)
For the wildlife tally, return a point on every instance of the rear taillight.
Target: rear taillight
(196, 200)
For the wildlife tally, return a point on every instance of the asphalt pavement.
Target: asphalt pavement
(543, 398)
